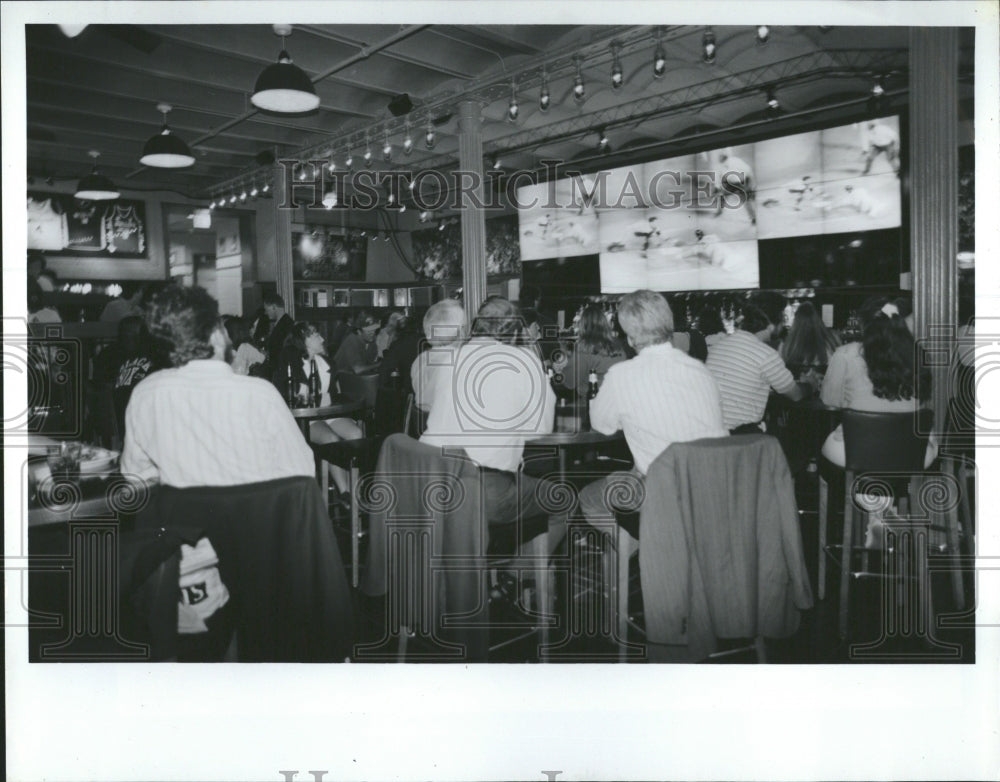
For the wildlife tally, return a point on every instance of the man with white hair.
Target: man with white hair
(445, 327)
(661, 396)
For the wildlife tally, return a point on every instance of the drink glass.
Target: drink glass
(64, 462)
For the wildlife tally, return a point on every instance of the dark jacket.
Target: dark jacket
(720, 546)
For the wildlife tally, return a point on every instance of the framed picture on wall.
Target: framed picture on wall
(61, 224)
(323, 256)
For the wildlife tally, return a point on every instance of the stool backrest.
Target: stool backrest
(886, 441)
(363, 387)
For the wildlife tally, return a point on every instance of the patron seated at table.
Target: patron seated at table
(246, 356)
(596, 349)
(876, 375)
(198, 423)
(746, 368)
(493, 398)
(398, 358)
(303, 349)
(807, 349)
(660, 397)
(445, 329)
(358, 353)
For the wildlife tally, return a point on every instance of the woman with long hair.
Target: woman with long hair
(809, 344)
(245, 355)
(304, 346)
(876, 375)
(596, 349)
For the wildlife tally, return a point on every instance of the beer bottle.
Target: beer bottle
(291, 387)
(315, 387)
(592, 386)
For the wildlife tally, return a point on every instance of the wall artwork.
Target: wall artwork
(61, 224)
(321, 256)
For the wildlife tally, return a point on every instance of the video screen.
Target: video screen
(699, 221)
(563, 276)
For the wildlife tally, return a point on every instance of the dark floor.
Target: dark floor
(576, 634)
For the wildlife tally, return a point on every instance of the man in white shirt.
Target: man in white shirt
(489, 402)
(445, 326)
(661, 396)
(199, 423)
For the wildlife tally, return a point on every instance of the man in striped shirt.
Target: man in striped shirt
(661, 396)
(746, 369)
(199, 423)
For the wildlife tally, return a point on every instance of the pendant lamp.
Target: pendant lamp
(165, 150)
(284, 87)
(95, 186)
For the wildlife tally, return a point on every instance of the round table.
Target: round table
(339, 405)
(564, 441)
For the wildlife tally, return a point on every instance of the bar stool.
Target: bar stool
(889, 450)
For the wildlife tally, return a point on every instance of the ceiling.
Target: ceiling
(100, 90)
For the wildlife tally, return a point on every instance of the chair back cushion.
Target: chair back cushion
(390, 411)
(362, 387)
(885, 442)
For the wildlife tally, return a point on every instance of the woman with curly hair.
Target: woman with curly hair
(596, 349)
(876, 375)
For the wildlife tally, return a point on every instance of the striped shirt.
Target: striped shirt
(661, 396)
(746, 369)
(204, 425)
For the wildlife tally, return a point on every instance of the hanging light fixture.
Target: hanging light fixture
(544, 97)
(659, 56)
(211, 204)
(429, 137)
(387, 147)
(763, 34)
(284, 87)
(512, 108)
(617, 77)
(266, 187)
(165, 150)
(407, 140)
(579, 91)
(232, 197)
(330, 197)
(878, 87)
(349, 160)
(95, 186)
(602, 140)
(708, 47)
(368, 151)
(773, 104)
(254, 191)
(243, 194)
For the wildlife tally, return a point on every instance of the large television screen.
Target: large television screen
(697, 221)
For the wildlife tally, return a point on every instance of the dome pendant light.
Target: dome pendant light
(284, 87)
(165, 150)
(95, 186)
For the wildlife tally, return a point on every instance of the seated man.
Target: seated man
(445, 327)
(492, 398)
(661, 396)
(198, 423)
(746, 368)
(357, 353)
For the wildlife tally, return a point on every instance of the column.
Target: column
(934, 196)
(473, 216)
(283, 241)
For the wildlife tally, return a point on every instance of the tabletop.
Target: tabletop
(339, 405)
(568, 439)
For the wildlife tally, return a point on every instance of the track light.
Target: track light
(349, 160)
(772, 101)
(266, 187)
(95, 186)
(232, 198)
(284, 87)
(763, 34)
(602, 140)
(412, 184)
(424, 216)
(579, 91)
(878, 87)
(243, 194)
(211, 204)
(544, 97)
(387, 147)
(402, 208)
(332, 165)
(165, 150)
(408, 141)
(429, 137)
(330, 197)
(496, 163)
(368, 152)
(617, 77)
(708, 47)
(254, 191)
(659, 57)
(512, 107)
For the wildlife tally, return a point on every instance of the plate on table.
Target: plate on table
(94, 459)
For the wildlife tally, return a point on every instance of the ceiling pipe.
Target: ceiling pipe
(364, 54)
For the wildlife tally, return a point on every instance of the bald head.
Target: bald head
(445, 322)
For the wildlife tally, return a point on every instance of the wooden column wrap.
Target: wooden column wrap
(934, 193)
(473, 217)
(283, 242)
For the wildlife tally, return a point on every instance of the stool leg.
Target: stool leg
(623, 560)
(824, 492)
(355, 526)
(951, 525)
(845, 565)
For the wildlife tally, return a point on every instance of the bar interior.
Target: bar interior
(512, 343)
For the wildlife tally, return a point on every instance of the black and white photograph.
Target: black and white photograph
(452, 390)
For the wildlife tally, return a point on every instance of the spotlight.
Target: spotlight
(254, 191)
(330, 198)
(878, 87)
(302, 173)
(579, 91)
(412, 184)
(332, 165)
(212, 205)
(544, 97)
(387, 147)
(512, 107)
(266, 187)
(708, 47)
(349, 160)
(763, 34)
(243, 195)
(602, 140)
(441, 226)
(402, 208)
(232, 198)
(429, 137)
(390, 199)
(659, 58)
(424, 216)
(617, 77)
(368, 152)
(772, 100)
(408, 141)
(496, 163)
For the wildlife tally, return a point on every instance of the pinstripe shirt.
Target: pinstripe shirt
(746, 370)
(204, 425)
(661, 396)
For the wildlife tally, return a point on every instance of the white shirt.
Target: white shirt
(661, 396)
(203, 425)
(492, 399)
(427, 368)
